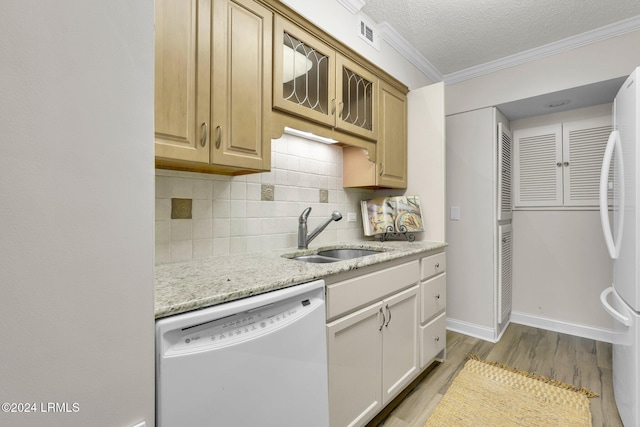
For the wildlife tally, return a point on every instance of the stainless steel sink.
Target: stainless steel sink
(315, 259)
(335, 255)
(346, 253)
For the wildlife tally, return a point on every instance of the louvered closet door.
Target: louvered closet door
(584, 143)
(505, 285)
(505, 144)
(538, 166)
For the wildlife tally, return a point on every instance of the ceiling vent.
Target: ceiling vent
(368, 33)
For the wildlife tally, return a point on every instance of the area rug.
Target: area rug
(492, 394)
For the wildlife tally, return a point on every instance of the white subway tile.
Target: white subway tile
(181, 230)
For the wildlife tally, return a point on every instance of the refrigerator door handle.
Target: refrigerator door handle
(613, 144)
(612, 311)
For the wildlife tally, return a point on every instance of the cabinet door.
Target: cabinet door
(356, 98)
(391, 147)
(304, 73)
(400, 342)
(355, 359)
(505, 143)
(182, 57)
(584, 143)
(538, 166)
(241, 85)
(505, 285)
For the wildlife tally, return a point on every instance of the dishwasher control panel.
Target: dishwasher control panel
(235, 328)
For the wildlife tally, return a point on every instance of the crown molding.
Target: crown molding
(352, 6)
(590, 37)
(387, 33)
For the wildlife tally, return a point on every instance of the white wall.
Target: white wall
(336, 20)
(76, 229)
(471, 182)
(615, 57)
(426, 157)
(560, 267)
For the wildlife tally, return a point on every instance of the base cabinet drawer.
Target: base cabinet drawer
(432, 339)
(433, 265)
(433, 297)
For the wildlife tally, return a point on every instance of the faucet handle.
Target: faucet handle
(304, 215)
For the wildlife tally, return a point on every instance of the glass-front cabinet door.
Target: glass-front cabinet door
(314, 81)
(356, 98)
(304, 74)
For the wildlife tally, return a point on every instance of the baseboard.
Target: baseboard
(584, 331)
(472, 329)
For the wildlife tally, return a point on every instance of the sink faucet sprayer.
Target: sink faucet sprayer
(303, 238)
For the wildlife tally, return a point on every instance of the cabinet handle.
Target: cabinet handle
(333, 106)
(566, 163)
(218, 136)
(381, 168)
(559, 164)
(341, 109)
(389, 320)
(383, 319)
(203, 138)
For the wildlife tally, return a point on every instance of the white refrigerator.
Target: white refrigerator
(619, 179)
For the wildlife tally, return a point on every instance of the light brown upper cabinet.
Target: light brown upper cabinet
(389, 170)
(314, 81)
(213, 86)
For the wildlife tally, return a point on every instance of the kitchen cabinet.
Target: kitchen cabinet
(389, 170)
(373, 351)
(559, 165)
(213, 86)
(314, 81)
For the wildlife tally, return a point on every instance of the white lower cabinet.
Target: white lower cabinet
(384, 328)
(373, 353)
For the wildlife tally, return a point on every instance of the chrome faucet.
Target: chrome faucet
(305, 238)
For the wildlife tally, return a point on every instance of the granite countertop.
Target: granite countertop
(189, 285)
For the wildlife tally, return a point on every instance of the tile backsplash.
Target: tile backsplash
(234, 215)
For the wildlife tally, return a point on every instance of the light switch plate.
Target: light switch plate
(454, 213)
(352, 217)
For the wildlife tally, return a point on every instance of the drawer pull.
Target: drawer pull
(383, 319)
(388, 320)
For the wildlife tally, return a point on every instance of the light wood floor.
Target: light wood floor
(579, 361)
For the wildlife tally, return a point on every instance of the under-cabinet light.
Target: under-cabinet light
(309, 135)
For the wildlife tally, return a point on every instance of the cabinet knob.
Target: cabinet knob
(438, 265)
(436, 339)
(566, 163)
(437, 296)
(559, 164)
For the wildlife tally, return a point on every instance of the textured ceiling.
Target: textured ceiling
(454, 35)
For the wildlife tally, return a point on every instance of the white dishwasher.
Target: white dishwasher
(258, 361)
